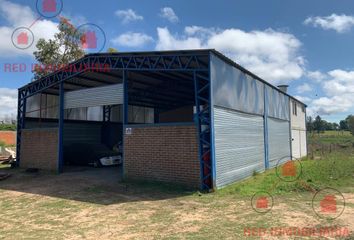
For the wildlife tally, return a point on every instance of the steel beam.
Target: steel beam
(179, 62)
(60, 128)
(203, 119)
(21, 115)
(107, 113)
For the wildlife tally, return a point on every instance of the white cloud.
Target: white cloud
(169, 14)
(200, 32)
(317, 76)
(17, 15)
(340, 23)
(270, 54)
(132, 39)
(304, 88)
(341, 82)
(128, 15)
(166, 41)
(339, 91)
(331, 105)
(8, 103)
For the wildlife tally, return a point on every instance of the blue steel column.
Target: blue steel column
(21, 114)
(60, 128)
(125, 104)
(107, 113)
(203, 117)
(212, 127)
(125, 114)
(156, 115)
(199, 129)
(266, 146)
(104, 113)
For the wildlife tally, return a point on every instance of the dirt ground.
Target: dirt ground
(96, 204)
(8, 137)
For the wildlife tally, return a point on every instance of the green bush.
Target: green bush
(7, 127)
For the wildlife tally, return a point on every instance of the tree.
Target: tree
(309, 124)
(343, 125)
(350, 122)
(112, 50)
(61, 50)
(318, 124)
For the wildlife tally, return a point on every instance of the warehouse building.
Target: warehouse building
(191, 117)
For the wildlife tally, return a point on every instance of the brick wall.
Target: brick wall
(39, 148)
(163, 153)
(8, 137)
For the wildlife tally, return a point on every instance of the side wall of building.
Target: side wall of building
(162, 153)
(298, 129)
(251, 123)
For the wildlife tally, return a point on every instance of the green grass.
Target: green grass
(332, 169)
(331, 137)
(335, 170)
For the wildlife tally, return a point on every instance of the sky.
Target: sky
(305, 44)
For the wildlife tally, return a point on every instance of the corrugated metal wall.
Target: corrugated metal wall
(239, 132)
(239, 145)
(92, 97)
(278, 141)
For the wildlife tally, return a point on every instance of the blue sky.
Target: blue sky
(306, 44)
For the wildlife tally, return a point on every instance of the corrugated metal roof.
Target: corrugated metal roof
(187, 52)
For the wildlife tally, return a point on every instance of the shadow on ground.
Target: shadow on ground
(102, 186)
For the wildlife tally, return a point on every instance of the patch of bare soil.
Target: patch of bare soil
(84, 206)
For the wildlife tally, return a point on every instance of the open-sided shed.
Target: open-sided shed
(192, 117)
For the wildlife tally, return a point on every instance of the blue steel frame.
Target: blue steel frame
(21, 114)
(107, 113)
(203, 104)
(181, 61)
(61, 126)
